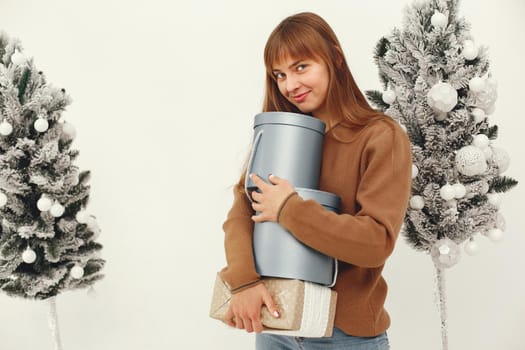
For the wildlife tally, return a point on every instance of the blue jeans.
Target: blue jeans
(337, 341)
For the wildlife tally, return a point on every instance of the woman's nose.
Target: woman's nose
(292, 83)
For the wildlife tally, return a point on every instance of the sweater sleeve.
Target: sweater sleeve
(238, 242)
(367, 238)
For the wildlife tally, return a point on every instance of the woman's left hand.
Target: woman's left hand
(272, 195)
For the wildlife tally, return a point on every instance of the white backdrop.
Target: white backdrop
(164, 95)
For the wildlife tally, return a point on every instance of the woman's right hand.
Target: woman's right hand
(245, 308)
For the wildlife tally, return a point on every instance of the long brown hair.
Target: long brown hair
(306, 35)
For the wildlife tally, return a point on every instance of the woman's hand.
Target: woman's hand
(245, 308)
(269, 200)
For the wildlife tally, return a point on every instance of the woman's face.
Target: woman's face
(303, 82)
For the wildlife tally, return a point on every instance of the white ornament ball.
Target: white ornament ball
(471, 161)
(442, 97)
(470, 50)
(389, 97)
(478, 114)
(447, 192)
(93, 224)
(490, 109)
(495, 235)
(481, 141)
(440, 116)
(492, 83)
(452, 204)
(476, 84)
(57, 209)
(5, 128)
(494, 199)
(445, 253)
(484, 187)
(18, 58)
(415, 171)
(82, 217)
(3, 199)
(487, 96)
(502, 159)
(487, 152)
(438, 19)
(29, 256)
(471, 247)
(44, 203)
(75, 180)
(417, 202)
(444, 249)
(77, 272)
(41, 125)
(459, 190)
(500, 222)
(69, 130)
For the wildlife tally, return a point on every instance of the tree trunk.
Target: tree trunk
(53, 324)
(442, 306)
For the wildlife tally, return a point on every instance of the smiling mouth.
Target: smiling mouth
(301, 97)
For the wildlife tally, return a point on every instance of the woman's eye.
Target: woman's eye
(279, 75)
(301, 67)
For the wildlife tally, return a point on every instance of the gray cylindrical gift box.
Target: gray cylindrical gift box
(288, 145)
(279, 254)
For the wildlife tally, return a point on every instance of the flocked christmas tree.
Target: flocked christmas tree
(437, 85)
(47, 238)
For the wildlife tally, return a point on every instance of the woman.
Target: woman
(366, 161)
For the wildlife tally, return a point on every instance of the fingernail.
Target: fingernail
(276, 313)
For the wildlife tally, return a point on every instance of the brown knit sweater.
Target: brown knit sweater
(370, 169)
